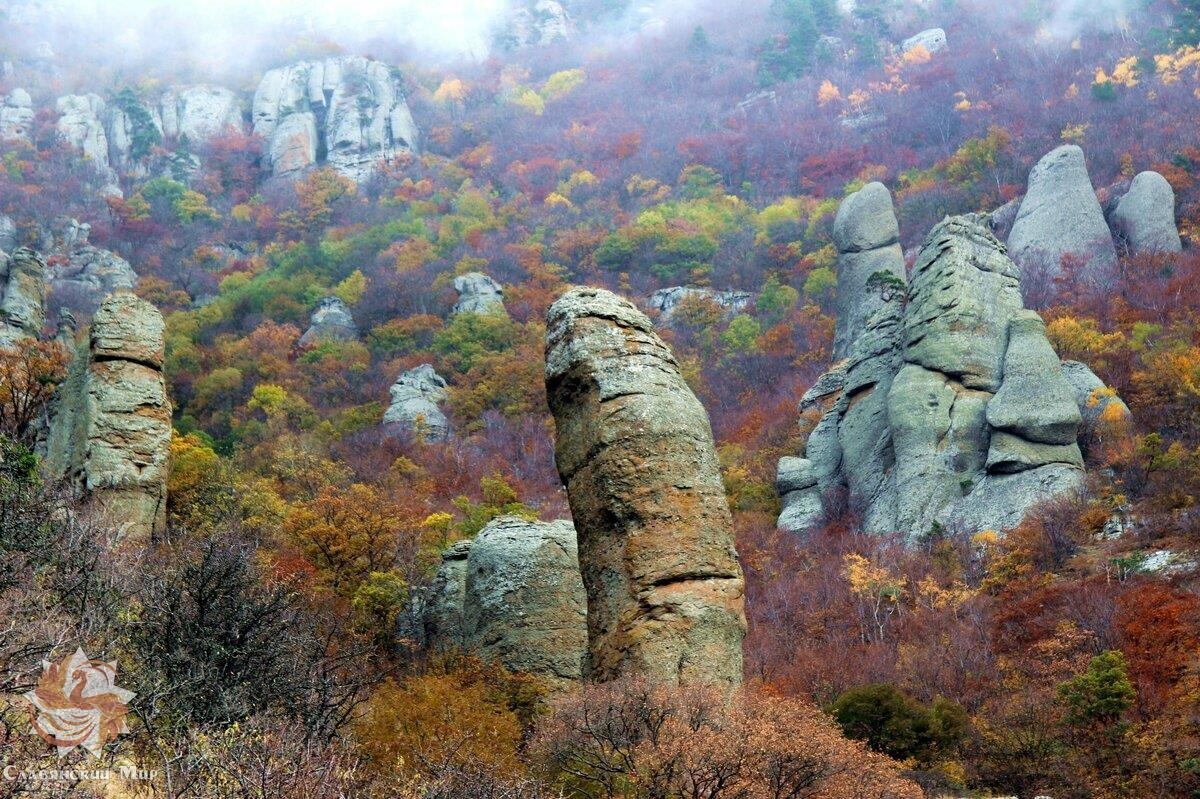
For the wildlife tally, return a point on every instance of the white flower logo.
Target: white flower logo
(76, 703)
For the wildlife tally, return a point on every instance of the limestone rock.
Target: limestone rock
(16, 116)
(133, 128)
(524, 604)
(867, 237)
(446, 598)
(1035, 401)
(1091, 395)
(536, 24)
(110, 432)
(933, 40)
(353, 112)
(665, 301)
(83, 274)
(1060, 216)
(23, 303)
(330, 321)
(200, 113)
(1145, 217)
(415, 397)
(951, 409)
(80, 125)
(478, 293)
(8, 234)
(635, 451)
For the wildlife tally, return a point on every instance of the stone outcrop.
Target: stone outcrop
(330, 321)
(478, 293)
(132, 128)
(414, 409)
(513, 596)
(933, 40)
(84, 274)
(110, 431)
(867, 237)
(200, 113)
(81, 125)
(951, 409)
(1095, 400)
(1144, 219)
(635, 452)
(350, 112)
(16, 116)
(8, 234)
(536, 24)
(1060, 216)
(23, 302)
(666, 300)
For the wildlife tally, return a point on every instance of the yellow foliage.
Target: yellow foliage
(560, 84)
(451, 90)
(1170, 66)
(526, 98)
(1082, 339)
(556, 200)
(828, 93)
(1125, 72)
(918, 55)
(1075, 133)
(351, 289)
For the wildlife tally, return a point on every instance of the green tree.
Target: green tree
(1101, 694)
(891, 722)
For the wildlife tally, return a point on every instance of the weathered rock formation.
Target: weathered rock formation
(867, 237)
(951, 409)
(80, 124)
(535, 24)
(8, 234)
(16, 116)
(414, 409)
(1095, 400)
(200, 113)
(514, 596)
(666, 300)
(348, 112)
(1060, 216)
(330, 321)
(1144, 219)
(932, 40)
(110, 432)
(84, 274)
(478, 293)
(23, 302)
(635, 451)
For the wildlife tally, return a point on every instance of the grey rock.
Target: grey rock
(23, 303)
(1060, 216)
(110, 430)
(933, 40)
(536, 24)
(446, 598)
(867, 237)
(8, 234)
(200, 113)
(415, 398)
(330, 321)
(524, 602)
(1091, 395)
(357, 112)
(1145, 217)
(794, 474)
(1009, 454)
(635, 450)
(1035, 401)
(84, 274)
(80, 124)
(122, 128)
(16, 116)
(1000, 501)
(665, 301)
(478, 293)
(1004, 217)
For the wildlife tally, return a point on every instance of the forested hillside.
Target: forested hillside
(355, 244)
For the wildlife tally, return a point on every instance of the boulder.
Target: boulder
(23, 303)
(110, 429)
(950, 409)
(83, 274)
(635, 451)
(1061, 217)
(414, 409)
(353, 113)
(524, 605)
(933, 40)
(330, 321)
(80, 125)
(1144, 218)
(870, 265)
(16, 116)
(444, 601)
(1093, 398)
(200, 113)
(666, 300)
(478, 293)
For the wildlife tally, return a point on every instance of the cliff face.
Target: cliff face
(635, 451)
(110, 433)
(22, 296)
(951, 408)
